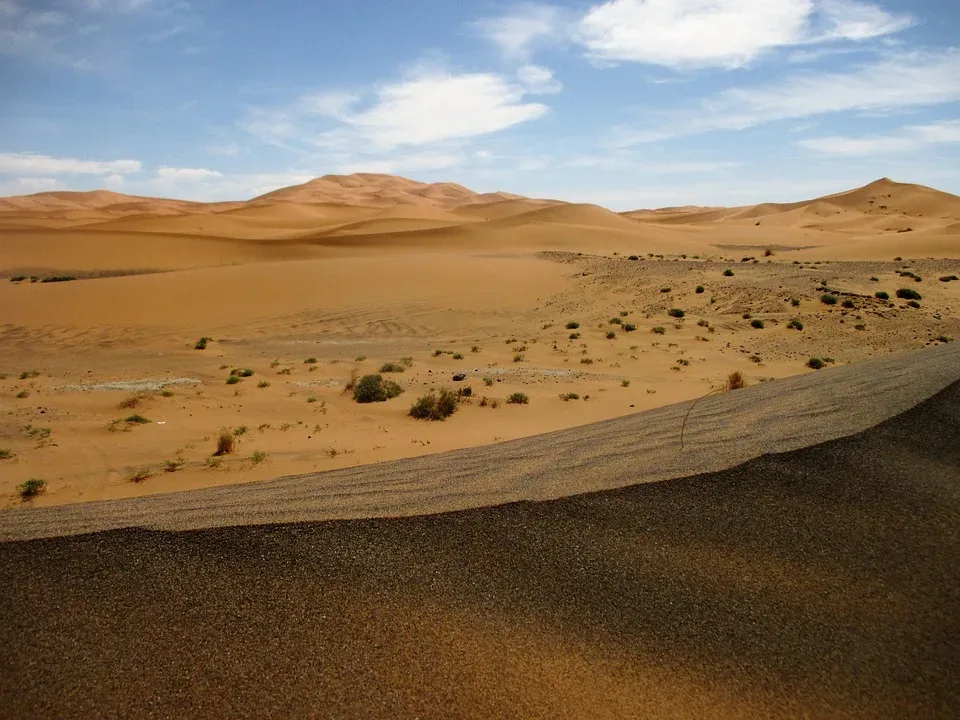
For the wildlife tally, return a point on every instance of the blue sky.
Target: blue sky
(625, 103)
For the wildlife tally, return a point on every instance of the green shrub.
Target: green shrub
(518, 398)
(757, 324)
(373, 388)
(58, 278)
(137, 420)
(569, 396)
(615, 321)
(258, 457)
(747, 316)
(699, 290)
(392, 367)
(31, 488)
(518, 357)
(815, 363)
(23, 394)
(633, 257)
(487, 380)
(465, 392)
(659, 330)
(795, 302)
(574, 336)
(611, 335)
(948, 278)
(5, 453)
(795, 325)
(880, 294)
(675, 313)
(436, 405)
(665, 289)
(908, 294)
(828, 299)
(458, 356)
(310, 361)
(263, 384)
(233, 380)
(27, 374)
(848, 304)
(241, 372)
(202, 343)
(913, 304)
(629, 327)
(18, 278)
(572, 325)
(728, 273)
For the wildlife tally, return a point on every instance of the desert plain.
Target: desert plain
(174, 322)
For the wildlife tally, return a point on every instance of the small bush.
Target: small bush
(699, 290)
(659, 330)
(58, 278)
(572, 325)
(795, 325)
(465, 392)
(226, 444)
(908, 294)
(170, 393)
(258, 457)
(747, 316)
(171, 466)
(391, 367)
(137, 420)
(232, 380)
(202, 343)
(518, 357)
(815, 363)
(31, 488)
(140, 475)
(861, 327)
(728, 273)
(566, 397)
(310, 361)
(848, 304)
(665, 289)
(23, 394)
(675, 312)
(27, 374)
(795, 302)
(882, 295)
(586, 361)
(629, 327)
(949, 278)
(487, 380)
(18, 278)
(436, 405)
(913, 304)
(5, 453)
(625, 382)
(757, 324)
(518, 398)
(574, 336)
(735, 381)
(939, 338)
(633, 257)
(828, 299)
(458, 356)
(474, 348)
(615, 321)
(611, 335)
(373, 388)
(263, 384)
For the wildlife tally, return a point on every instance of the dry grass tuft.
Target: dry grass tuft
(735, 381)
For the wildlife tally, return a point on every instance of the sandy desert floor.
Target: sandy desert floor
(311, 286)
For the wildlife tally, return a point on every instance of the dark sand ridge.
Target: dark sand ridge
(721, 431)
(823, 582)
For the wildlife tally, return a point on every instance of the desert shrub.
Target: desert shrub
(882, 295)
(373, 388)
(913, 304)
(625, 382)
(908, 294)
(392, 367)
(574, 336)
(232, 380)
(624, 313)
(226, 444)
(169, 393)
(795, 302)
(202, 343)
(436, 405)
(699, 290)
(768, 252)
(828, 299)
(566, 397)
(27, 374)
(633, 257)
(258, 457)
(474, 348)
(23, 394)
(586, 361)
(848, 304)
(310, 361)
(465, 392)
(795, 324)
(18, 278)
(659, 330)
(861, 326)
(5, 453)
(615, 321)
(458, 356)
(31, 488)
(675, 312)
(518, 357)
(517, 398)
(263, 384)
(703, 323)
(137, 419)
(629, 327)
(171, 466)
(487, 380)
(665, 289)
(611, 335)
(948, 278)
(815, 363)
(735, 381)
(728, 273)
(241, 372)
(757, 324)
(572, 325)
(939, 338)
(747, 316)
(58, 278)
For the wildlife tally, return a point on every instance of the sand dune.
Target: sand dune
(351, 272)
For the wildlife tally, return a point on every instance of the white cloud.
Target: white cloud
(28, 185)
(691, 33)
(910, 139)
(517, 33)
(334, 103)
(187, 173)
(31, 163)
(683, 34)
(538, 80)
(894, 83)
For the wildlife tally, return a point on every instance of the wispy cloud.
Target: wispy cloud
(31, 163)
(894, 83)
(526, 27)
(910, 139)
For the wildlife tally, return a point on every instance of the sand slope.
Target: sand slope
(807, 584)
